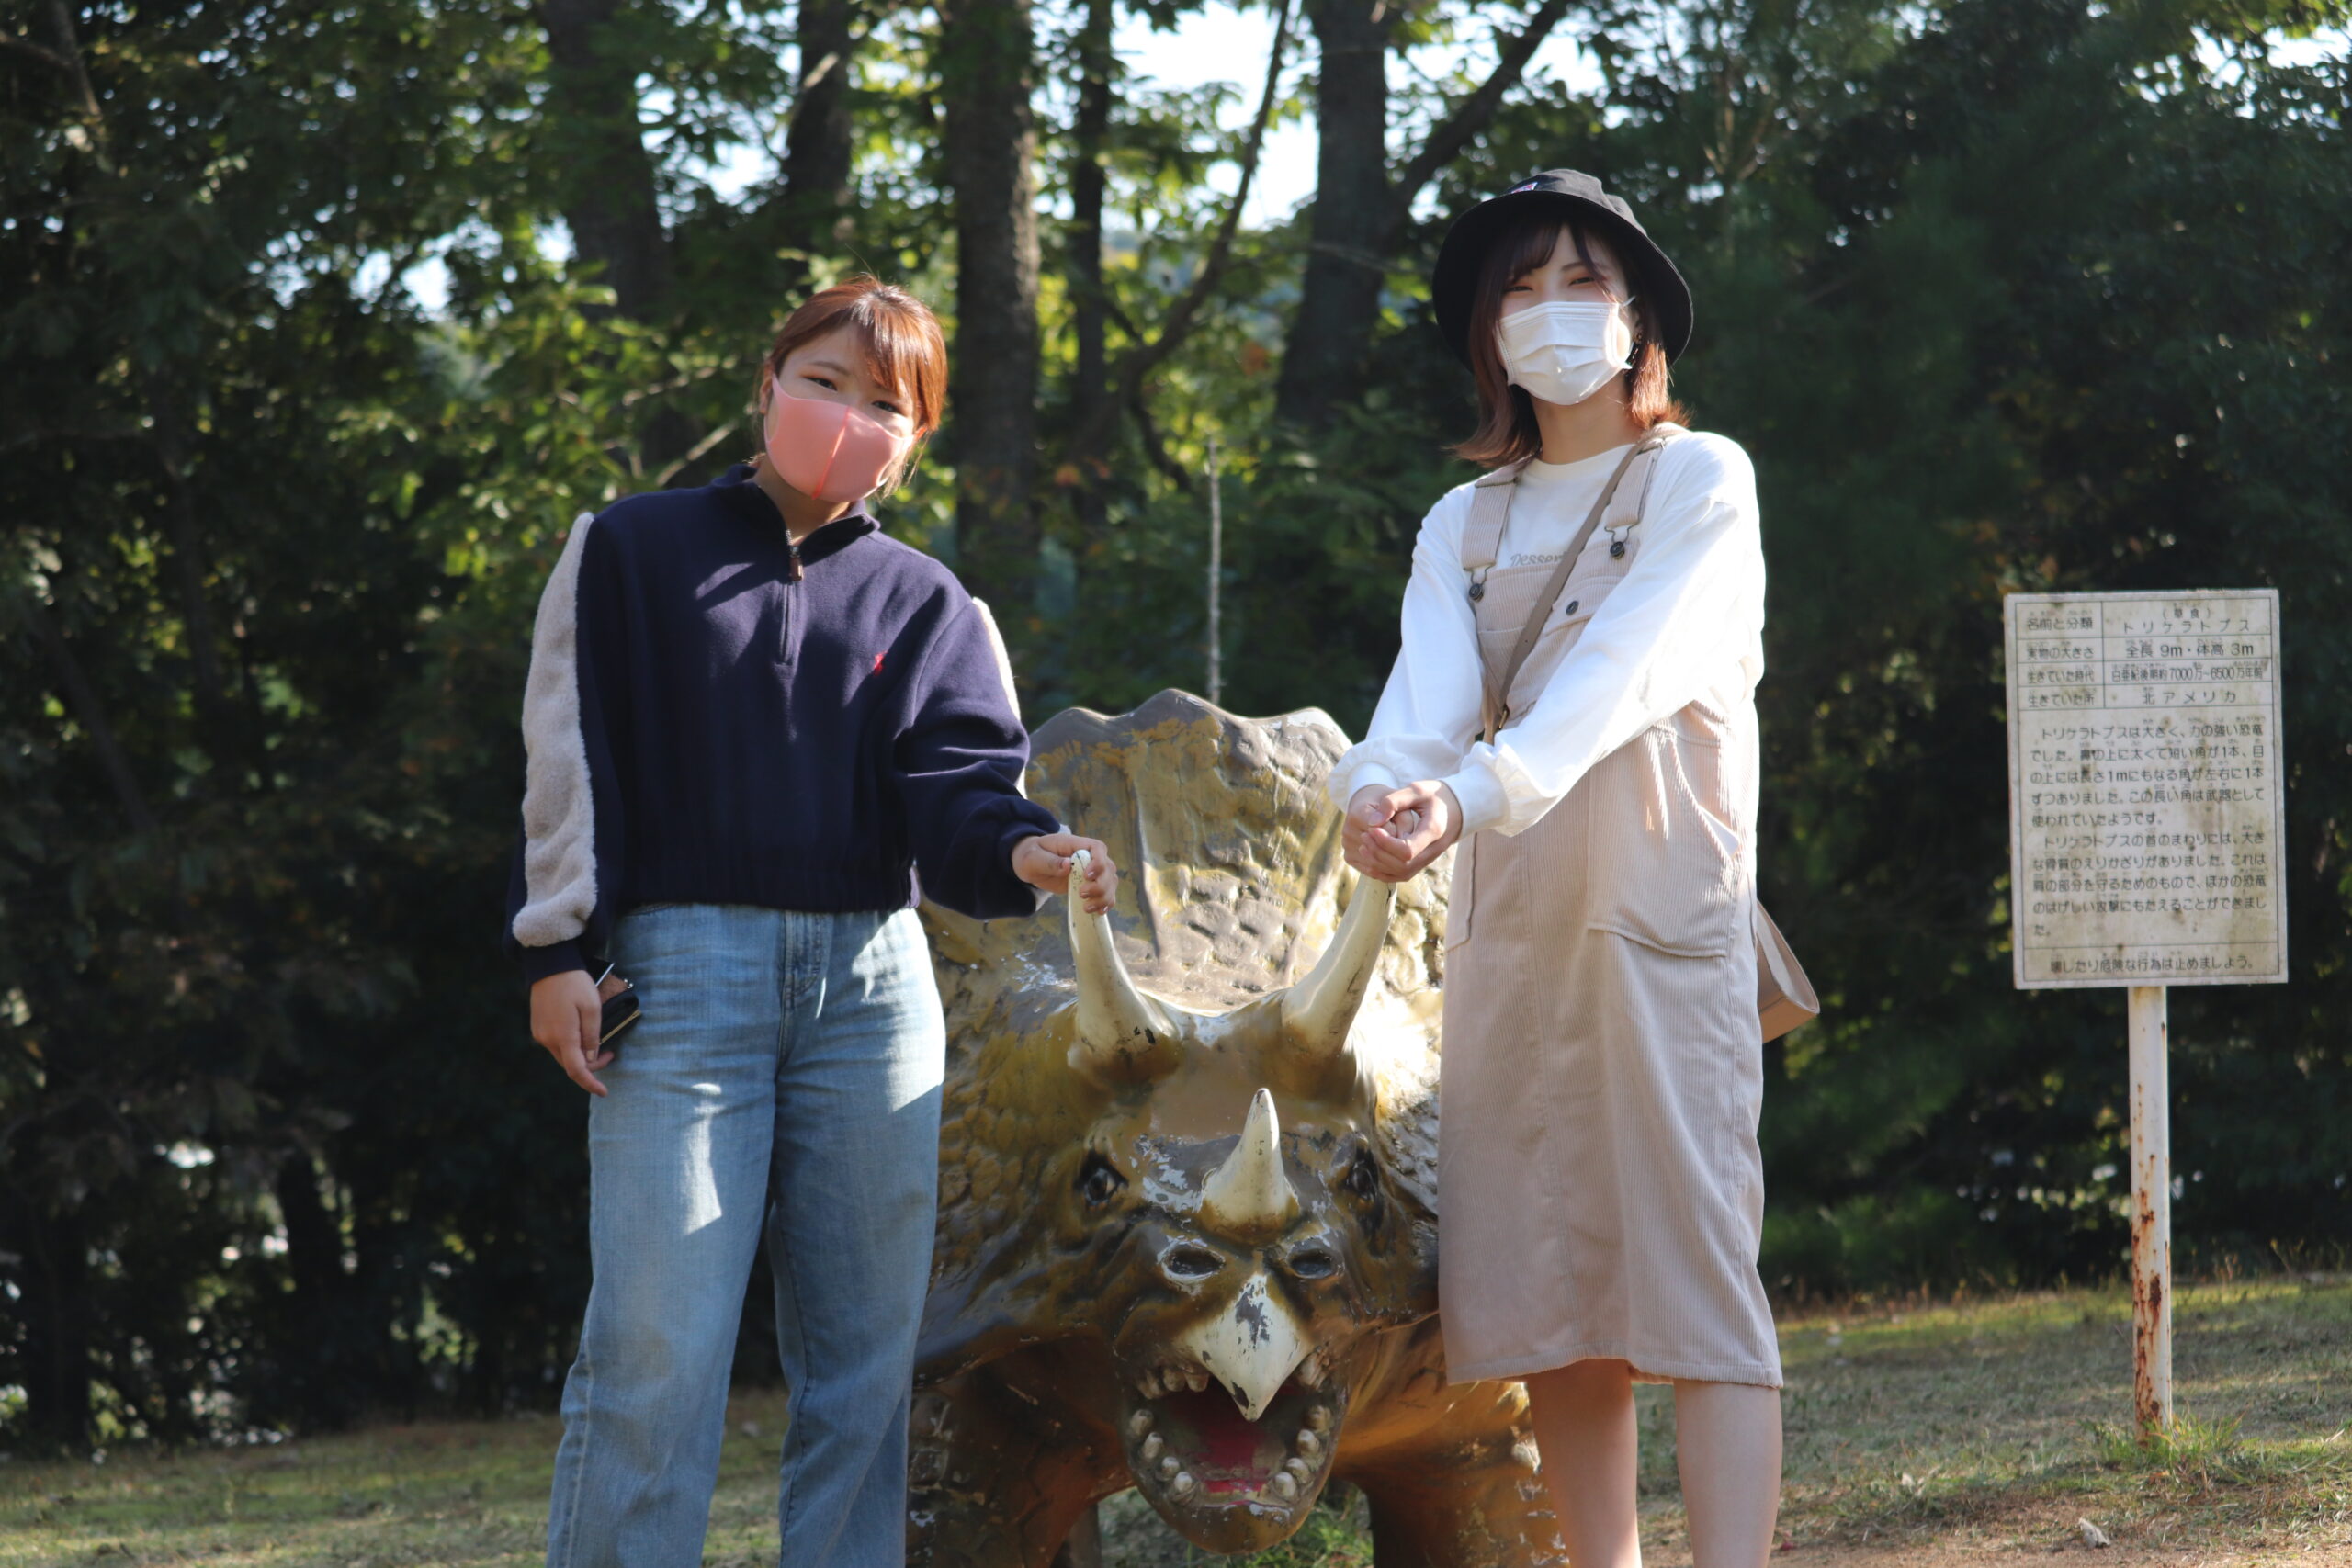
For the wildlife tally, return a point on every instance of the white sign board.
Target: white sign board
(2147, 811)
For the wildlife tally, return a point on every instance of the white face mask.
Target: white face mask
(1565, 351)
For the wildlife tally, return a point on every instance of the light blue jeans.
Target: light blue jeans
(785, 1076)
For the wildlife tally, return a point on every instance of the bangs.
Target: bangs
(905, 351)
(894, 347)
(1521, 249)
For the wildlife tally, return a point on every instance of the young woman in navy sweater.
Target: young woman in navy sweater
(758, 731)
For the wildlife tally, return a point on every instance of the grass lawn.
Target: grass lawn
(1946, 1433)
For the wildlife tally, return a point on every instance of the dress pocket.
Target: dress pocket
(1662, 868)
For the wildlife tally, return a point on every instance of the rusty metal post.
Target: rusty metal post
(2151, 1213)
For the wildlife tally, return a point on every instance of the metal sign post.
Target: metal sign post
(2146, 834)
(2151, 1212)
(1217, 574)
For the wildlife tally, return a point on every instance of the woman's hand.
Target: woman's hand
(1044, 861)
(568, 1018)
(1392, 834)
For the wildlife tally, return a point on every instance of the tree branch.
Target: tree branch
(84, 697)
(40, 437)
(1155, 449)
(1451, 135)
(69, 50)
(1139, 361)
(696, 452)
(736, 364)
(42, 53)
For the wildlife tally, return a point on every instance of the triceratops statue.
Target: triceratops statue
(1187, 1233)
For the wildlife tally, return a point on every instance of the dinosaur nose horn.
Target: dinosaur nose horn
(1318, 1011)
(1124, 1036)
(1251, 1348)
(1249, 1195)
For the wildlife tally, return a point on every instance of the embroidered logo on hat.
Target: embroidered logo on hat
(1524, 185)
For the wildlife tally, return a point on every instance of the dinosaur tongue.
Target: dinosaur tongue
(1228, 1452)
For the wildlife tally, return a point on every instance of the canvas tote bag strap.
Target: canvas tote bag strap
(1494, 704)
(1785, 997)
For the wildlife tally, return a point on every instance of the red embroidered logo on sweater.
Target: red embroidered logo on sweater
(877, 664)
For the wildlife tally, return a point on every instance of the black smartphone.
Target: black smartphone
(620, 1007)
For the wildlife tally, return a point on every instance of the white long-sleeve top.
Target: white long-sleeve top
(1686, 622)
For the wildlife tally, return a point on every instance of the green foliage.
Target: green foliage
(2002, 295)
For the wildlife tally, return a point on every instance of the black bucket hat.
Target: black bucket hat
(1572, 198)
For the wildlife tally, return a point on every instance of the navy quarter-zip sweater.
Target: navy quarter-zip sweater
(716, 716)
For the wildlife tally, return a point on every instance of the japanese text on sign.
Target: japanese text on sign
(2145, 807)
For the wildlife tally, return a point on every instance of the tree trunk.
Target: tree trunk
(987, 50)
(816, 145)
(57, 1319)
(608, 175)
(1090, 379)
(322, 1378)
(1347, 229)
(1360, 212)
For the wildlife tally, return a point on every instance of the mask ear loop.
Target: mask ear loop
(909, 461)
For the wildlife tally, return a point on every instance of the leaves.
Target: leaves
(2001, 295)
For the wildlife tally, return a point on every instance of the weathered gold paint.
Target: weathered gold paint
(1073, 1259)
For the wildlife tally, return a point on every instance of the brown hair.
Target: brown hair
(1507, 430)
(905, 350)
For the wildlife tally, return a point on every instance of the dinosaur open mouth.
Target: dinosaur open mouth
(1190, 1445)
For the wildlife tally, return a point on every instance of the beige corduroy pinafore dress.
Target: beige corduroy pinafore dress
(1600, 1184)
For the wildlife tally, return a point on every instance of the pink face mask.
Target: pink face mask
(826, 450)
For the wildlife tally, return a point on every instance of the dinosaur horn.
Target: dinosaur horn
(1124, 1036)
(1319, 1011)
(1249, 1195)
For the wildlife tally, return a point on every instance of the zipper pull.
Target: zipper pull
(793, 574)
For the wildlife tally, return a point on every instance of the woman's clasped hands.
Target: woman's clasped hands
(1392, 834)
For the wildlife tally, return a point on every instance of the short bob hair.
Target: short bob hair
(905, 350)
(1507, 430)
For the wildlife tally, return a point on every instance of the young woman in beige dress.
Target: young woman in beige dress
(1600, 1190)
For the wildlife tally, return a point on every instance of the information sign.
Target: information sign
(2146, 808)
(2147, 827)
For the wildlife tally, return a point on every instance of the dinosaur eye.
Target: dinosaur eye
(1362, 1179)
(1099, 1180)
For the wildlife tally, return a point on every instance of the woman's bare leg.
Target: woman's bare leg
(1727, 1442)
(1585, 1430)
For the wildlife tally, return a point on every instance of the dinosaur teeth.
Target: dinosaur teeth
(1310, 1372)
(1310, 1444)
(1298, 1467)
(1317, 1418)
(1151, 1447)
(1140, 1423)
(1284, 1487)
(1169, 1465)
(1183, 1485)
(1196, 1380)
